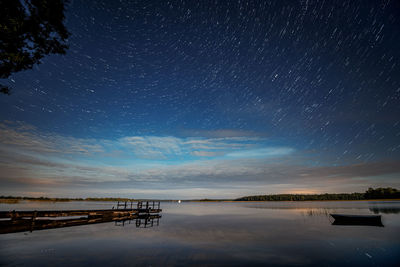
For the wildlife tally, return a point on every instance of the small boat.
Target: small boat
(344, 219)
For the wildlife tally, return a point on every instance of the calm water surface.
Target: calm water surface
(214, 234)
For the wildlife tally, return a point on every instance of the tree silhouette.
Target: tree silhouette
(29, 30)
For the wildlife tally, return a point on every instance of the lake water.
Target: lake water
(214, 234)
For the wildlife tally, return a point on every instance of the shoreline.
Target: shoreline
(16, 201)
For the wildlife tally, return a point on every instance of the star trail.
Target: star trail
(193, 99)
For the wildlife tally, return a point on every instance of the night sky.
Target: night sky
(220, 99)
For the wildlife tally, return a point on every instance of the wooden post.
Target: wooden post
(34, 215)
(14, 215)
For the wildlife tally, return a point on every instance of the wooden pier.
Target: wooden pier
(123, 209)
(143, 213)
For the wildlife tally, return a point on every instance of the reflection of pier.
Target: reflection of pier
(143, 214)
(140, 222)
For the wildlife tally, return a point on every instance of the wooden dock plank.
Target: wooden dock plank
(23, 225)
(62, 213)
(142, 209)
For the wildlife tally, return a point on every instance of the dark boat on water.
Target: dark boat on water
(370, 220)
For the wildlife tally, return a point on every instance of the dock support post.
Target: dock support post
(14, 215)
(34, 215)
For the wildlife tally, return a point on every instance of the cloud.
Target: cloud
(354, 170)
(28, 138)
(156, 147)
(153, 146)
(262, 152)
(32, 161)
(221, 133)
(206, 153)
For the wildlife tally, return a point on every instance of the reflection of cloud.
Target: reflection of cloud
(221, 234)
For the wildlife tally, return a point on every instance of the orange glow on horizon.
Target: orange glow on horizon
(303, 192)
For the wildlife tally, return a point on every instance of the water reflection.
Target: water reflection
(364, 220)
(358, 223)
(23, 225)
(143, 221)
(217, 234)
(385, 210)
(315, 212)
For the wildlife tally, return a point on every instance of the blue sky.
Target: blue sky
(220, 99)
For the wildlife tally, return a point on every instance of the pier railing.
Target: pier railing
(139, 205)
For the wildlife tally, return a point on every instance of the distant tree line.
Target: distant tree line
(378, 193)
(301, 197)
(382, 193)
